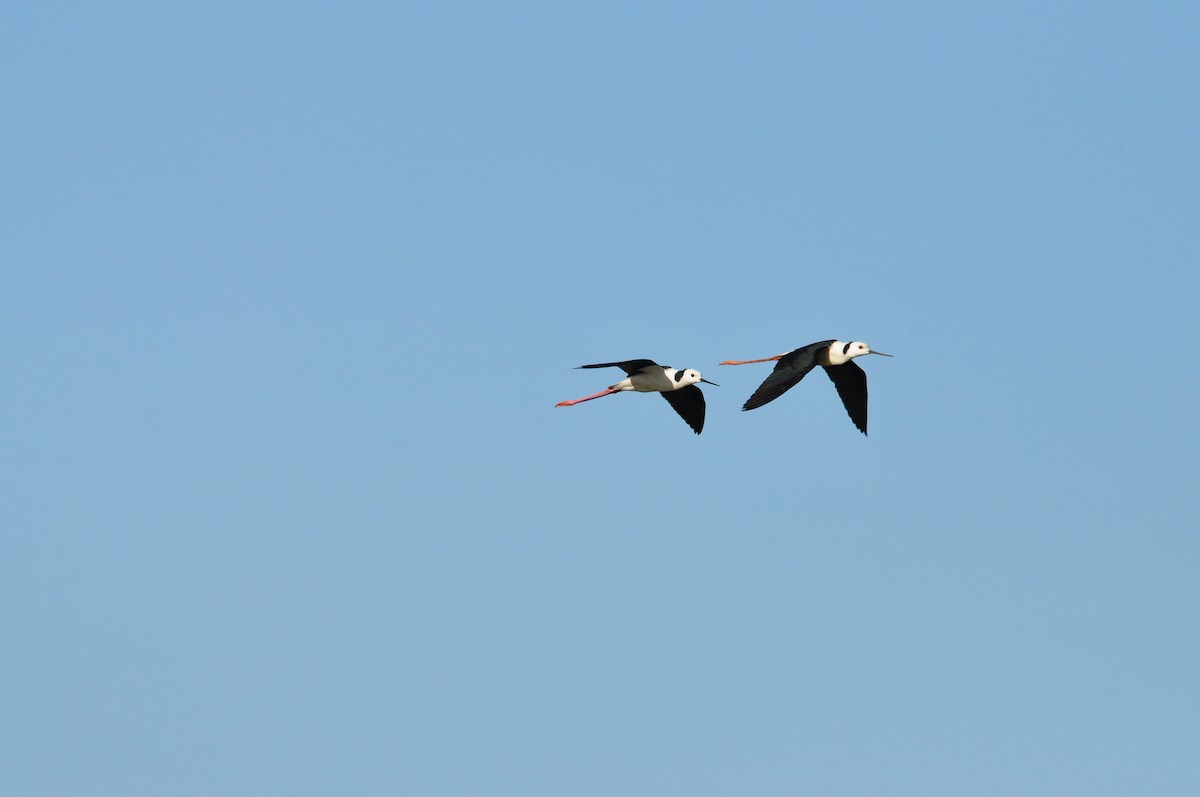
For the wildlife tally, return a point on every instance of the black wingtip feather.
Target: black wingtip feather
(688, 402)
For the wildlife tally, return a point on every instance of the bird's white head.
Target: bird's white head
(841, 353)
(690, 376)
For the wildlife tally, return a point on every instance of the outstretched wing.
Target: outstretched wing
(791, 368)
(851, 384)
(630, 367)
(689, 403)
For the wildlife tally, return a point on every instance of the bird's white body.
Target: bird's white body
(677, 386)
(658, 380)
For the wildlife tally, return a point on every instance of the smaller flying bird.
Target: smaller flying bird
(646, 376)
(836, 357)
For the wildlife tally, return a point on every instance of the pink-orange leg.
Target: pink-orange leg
(586, 398)
(747, 362)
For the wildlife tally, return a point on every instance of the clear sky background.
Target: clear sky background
(290, 291)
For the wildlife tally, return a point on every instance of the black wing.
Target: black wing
(689, 403)
(851, 384)
(630, 367)
(791, 368)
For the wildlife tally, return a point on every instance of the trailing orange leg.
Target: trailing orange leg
(747, 362)
(586, 398)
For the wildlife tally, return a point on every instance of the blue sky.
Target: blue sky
(291, 291)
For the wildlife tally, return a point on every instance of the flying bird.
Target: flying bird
(678, 387)
(836, 357)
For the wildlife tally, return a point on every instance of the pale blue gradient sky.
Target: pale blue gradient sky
(291, 291)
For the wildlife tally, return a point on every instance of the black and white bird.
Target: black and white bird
(836, 357)
(678, 387)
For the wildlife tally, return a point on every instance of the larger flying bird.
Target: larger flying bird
(678, 387)
(836, 357)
